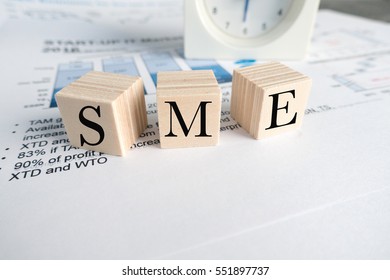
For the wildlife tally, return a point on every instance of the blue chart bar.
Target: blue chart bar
(220, 73)
(68, 73)
(118, 65)
(348, 83)
(245, 62)
(124, 66)
(161, 61)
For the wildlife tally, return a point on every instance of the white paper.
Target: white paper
(318, 192)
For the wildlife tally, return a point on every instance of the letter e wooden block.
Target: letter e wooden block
(103, 112)
(269, 99)
(189, 108)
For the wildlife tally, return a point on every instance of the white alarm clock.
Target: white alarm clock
(262, 29)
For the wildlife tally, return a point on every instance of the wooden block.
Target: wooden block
(104, 112)
(189, 108)
(269, 99)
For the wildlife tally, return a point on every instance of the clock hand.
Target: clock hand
(245, 10)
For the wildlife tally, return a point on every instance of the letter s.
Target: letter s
(92, 125)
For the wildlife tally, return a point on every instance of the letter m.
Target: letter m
(202, 108)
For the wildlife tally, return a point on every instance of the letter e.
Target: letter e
(91, 125)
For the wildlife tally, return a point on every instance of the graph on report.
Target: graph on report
(67, 73)
(146, 65)
(340, 44)
(369, 73)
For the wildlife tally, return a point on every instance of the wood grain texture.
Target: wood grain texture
(114, 103)
(269, 99)
(189, 108)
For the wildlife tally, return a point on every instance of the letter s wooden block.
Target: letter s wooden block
(103, 112)
(269, 99)
(189, 108)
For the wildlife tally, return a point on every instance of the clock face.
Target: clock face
(246, 18)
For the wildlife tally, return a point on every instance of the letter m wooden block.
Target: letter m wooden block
(103, 112)
(189, 108)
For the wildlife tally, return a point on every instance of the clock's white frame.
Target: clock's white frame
(288, 40)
